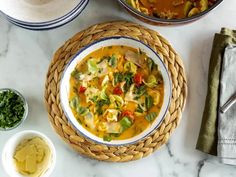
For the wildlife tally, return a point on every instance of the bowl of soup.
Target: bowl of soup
(169, 12)
(115, 91)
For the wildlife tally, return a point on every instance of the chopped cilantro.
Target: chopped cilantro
(112, 61)
(11, 109)
(118, 77)
(139, 109)
(128, 77)
(100, 104)
(148, 102)
(151, 116)
(140, 90)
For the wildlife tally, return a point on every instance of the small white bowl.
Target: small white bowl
(13, 142)
(117, 40)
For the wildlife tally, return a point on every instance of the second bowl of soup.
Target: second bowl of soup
(169, 12)
(115, 91)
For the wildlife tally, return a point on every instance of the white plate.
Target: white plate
(65, 87)
(54, 25)
(37, 11)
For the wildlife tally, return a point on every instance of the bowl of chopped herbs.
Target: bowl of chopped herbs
(13, 109)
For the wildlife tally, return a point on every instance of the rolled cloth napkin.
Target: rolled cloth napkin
(207, 140)
(226, 148)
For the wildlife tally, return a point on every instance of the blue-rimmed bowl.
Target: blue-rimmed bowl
(111, 41)
(62, 22)
(160, 21)
(41, 14)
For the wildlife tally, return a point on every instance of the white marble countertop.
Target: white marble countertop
(24, 59)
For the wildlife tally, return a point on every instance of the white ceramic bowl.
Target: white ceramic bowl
(38, 11)
(13, 142)
(65, 87)
(62, 22)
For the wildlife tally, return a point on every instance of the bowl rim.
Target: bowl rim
(162, 20)
(25, 115)
(21, 136)
(49, 22)
(104, 142)
(51, 26)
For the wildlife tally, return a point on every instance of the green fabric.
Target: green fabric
(207, 140)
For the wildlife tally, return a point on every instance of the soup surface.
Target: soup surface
(116, 92)
(171, 9)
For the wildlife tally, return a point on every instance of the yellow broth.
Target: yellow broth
(113, 96)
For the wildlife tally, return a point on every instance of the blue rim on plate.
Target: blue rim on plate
(47, 22)
(53, 26)
(90, 45)
(167, 21)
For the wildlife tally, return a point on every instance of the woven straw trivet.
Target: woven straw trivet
(102, 152)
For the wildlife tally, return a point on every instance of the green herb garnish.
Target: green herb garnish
(151, 65)
(139, 91)
(103, 95)
(11, 109)
(74, 102)
(76, 74)
(151, 116)
(139, 109)
(82, 110)
(115, 134)
(107, 138)
(110, 136)
(99, 104)
(112, 61)
(94, 99)
(118, 77)
(128, 77)
(125, 123)
(148, 102)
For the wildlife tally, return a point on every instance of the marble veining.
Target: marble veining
(24, 59)
(5, 30)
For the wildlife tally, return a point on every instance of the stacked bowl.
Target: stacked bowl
(41, 14)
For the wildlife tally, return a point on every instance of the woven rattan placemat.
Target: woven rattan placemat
(102, 152)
